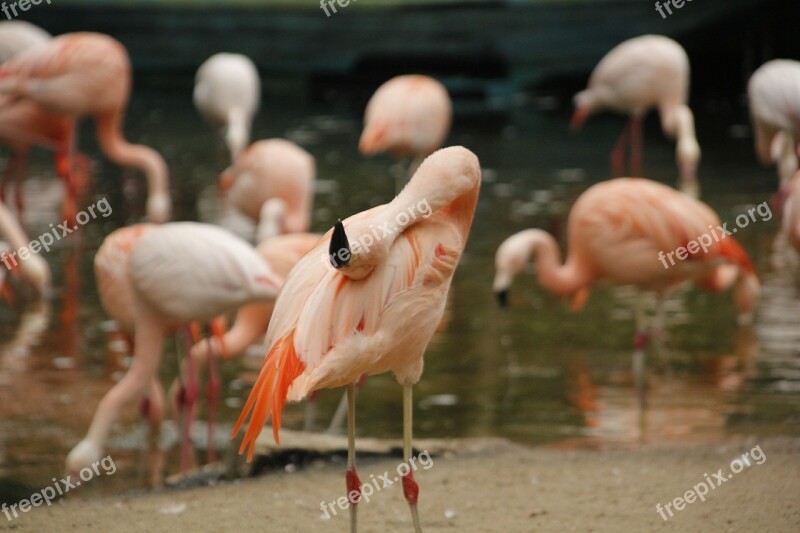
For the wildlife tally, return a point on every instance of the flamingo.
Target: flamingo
(25, 123)
(375, 311)
(179, 273)
(408, 116)
(634, 77)
(621, 231)
(32, 267)
(227, 91)
(275, 171)
(88, 74)
(773, 94)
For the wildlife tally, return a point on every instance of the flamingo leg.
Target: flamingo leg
(618, 152)
(64, 168)
(9, 173)
(147, 354)
(352, 482)
(410, 487)
(20, 173)
(640, 342)
(335, 427)
(636, 146)
(212, 392)
(189, 401)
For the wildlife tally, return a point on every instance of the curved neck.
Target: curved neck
(557, 278)
(251, 323)
(237, 132)
(120, 151)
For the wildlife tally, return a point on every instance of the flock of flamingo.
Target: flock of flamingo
(364, 310)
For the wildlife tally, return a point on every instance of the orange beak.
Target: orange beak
(225, 181)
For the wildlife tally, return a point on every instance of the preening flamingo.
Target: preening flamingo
(634, 77)
(277, 170)
(773, 94)
(375, 311)
(179, 272)
(622, 231)
(227, 92)
(89, 74)
(408, 116)
(33, 267)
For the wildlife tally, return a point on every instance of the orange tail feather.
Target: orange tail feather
(280, 369)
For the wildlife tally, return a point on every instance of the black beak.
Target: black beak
(339, 249)
(502, 298)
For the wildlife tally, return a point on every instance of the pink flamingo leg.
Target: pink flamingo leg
(21, 172)
(189, 401)
(10, 172)
(64, 168)
(410, 486)
(352, 482)
(212, 388)
(636, 146)
(618, 152)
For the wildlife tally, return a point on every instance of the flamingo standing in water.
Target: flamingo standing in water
(272, 181)
(623, 231)
(408, 116)
(24, 123)
(634, 77)
(179, 273)
(227, 91)
(375, 310)
(33, 267)
(773, 94)
(88, 74)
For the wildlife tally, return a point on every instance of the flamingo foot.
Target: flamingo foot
(411, 493)
(353, 484)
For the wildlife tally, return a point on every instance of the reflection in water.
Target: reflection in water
(536, 373)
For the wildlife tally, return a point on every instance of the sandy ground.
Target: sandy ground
(502, 488)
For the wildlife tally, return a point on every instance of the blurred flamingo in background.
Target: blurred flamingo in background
(227, 92)
(408, 116)
(622, 231)
(33, 268)
(272, 181)
(88, 74)
(375, 311)
(24, 123)
(791, 211)
(179, 273)
(634, 77)
(773, 94)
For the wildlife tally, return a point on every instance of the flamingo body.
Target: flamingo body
(618, 231)
(407, 116)
(273, 169)
(88, 74)
(651, 71)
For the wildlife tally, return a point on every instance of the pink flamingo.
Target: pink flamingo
(227, 91)
(24, 123)
(33, 268)
(773, 94)
(88, 74)
(408, 116)
(634, 77)
(278, 171)
(623, 231)
(179, 273)
(375, 311)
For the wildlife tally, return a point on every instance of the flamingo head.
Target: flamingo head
(83, 455)
(584, 107)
